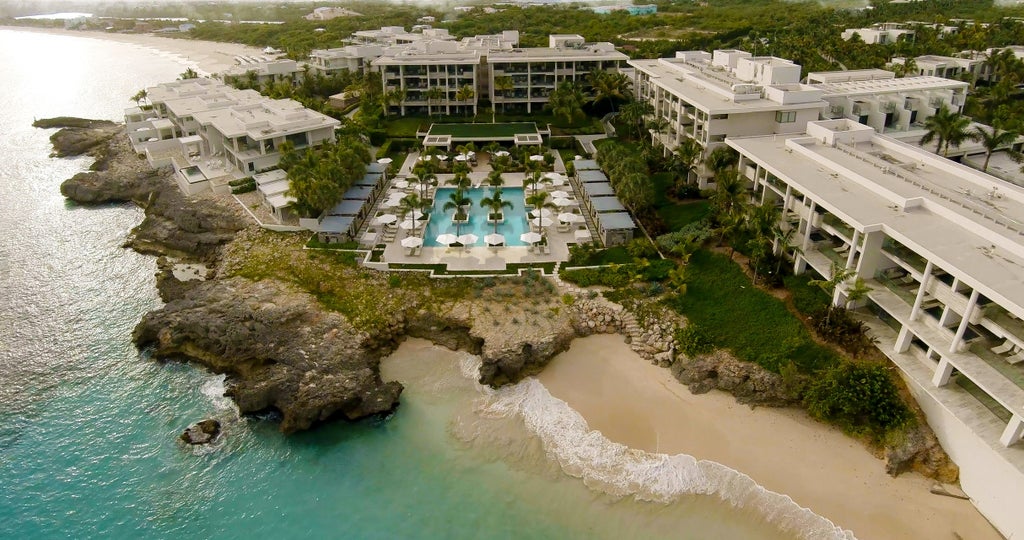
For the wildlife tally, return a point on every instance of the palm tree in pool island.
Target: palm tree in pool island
(457, 201)
(495, 204)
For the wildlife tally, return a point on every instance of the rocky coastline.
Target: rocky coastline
(282, 350)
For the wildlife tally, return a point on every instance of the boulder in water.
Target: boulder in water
(203, 432)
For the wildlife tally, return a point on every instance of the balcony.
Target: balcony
(840, 228)
(903, 256)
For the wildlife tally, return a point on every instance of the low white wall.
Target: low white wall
(995, 486)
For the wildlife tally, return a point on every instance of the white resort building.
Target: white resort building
(212, 133)
(880, 34)
(941, 246)
(729, 93)
(493, 67)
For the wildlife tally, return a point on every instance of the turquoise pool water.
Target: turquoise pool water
(515, 217)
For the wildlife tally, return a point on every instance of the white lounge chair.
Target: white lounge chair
(1016, 358)
(1006, 347)
(842, 249)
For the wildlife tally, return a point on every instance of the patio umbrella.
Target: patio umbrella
(385, 219)
(569, 217)
(415, 214)
(424, 158)
(559, 194)
(389, 203)
(543, 212)
(442, 157)
(468, 239)
(536, 157)
(461, 157)
(385, 161)
(541, 221)
(501, 153)
(494, 239)
(408, 224)
(401, 184)
(447, 239)
(554, 176)
(530, 237)
(412, 241)
(561, 202)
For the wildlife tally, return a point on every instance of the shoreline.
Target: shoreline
(207, 57)
(635, 403)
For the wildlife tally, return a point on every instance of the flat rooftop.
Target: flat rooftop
(950, 213)
(711, 89)
(875, 86)
(499, 131)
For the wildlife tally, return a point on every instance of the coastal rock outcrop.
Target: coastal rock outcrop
(175, 224)
(748, 382)
(280, 349)
(203, 432)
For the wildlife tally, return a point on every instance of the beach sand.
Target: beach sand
(642, 406)
(206, 57)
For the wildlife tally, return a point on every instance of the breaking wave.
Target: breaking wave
(617, 470)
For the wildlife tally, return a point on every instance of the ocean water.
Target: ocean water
(88, 424)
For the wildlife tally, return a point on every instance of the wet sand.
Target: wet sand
(640, 405)
(206, 57)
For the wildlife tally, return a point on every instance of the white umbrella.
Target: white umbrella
(494, 239)
(401, 184)
(425, 158)
(553, 176)
(559, 194)
(501, 153)
(461, 157)
(541, 221)
(389, 203)
(385, 219)
(447, 239)
(468, 239)
(442, 157)
(412, 241)
(530, 237)
(408, 224)
(415, 214)
(536, 157)
(561, 202)
(543, 212)
(385, 161)
(569, 217)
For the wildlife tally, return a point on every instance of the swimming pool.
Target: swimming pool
(515, 217)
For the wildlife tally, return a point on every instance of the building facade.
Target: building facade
(941, 247)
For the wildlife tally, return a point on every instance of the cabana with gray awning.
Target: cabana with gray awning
(615, 228)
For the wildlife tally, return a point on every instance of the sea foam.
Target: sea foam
(615, 469)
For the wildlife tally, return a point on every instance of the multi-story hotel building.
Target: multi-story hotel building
(941, 246)
(493, 66)
(212, 133)
(354, 58)
(708, 96)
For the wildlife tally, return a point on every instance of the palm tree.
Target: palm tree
(460, 181)
(992, 139)
(685, 158)
(610, 86)
(410, 204)
(494, 178)
(140, 96)
(539, 200)
(720, 159)
(433, 94)
(465, 94)
(502, 85)
(633, 114)
(189, 74)
(457, 201)
(946, 127)
(495, 204)
(566, 101)
(387, 99)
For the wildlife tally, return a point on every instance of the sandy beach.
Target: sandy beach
(206, 57)
(640, 405)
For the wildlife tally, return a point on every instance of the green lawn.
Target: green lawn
(503, 130)
(676, 214)
(754, 325)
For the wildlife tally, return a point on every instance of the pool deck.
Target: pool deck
(481, 257)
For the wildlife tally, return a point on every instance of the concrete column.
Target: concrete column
(916, 310)
(942, 373)
(871, 254)
(959, 337)
(785, 203)
(808, 227)
(853, 249)
(903, 340)
(1014, 431)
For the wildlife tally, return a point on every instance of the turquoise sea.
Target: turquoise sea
(88, 425)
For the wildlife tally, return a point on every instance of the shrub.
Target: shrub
(247, 187)
(657, 270)
(641, 248)
(835, 325)
(384, 149)
(693, 341)
(612, 276)
(690, 236)
(860, 398)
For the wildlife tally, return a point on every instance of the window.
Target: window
(783, 117)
